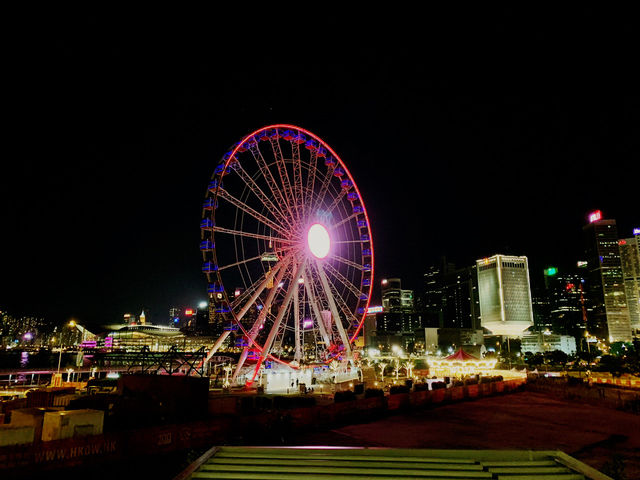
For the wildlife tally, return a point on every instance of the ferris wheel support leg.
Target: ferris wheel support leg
(255, 371)
(262, 286)
(243, 357)
(281, 313)
(253, 333)
(216, 346)
(296, 319)
(334, 311)
(316, 311)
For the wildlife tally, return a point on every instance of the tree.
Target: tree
(534, 360)
(614, 365)
(382, 366)
(558, 357)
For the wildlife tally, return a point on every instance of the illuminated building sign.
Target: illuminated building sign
(550, 272)
(377, 309)
(595, 216)
(582, 264)
(188, 311)
(622, 242)
(636, 231)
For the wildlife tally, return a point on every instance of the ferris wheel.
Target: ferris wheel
(287, 250)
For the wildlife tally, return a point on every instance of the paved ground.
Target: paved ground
(524, 420)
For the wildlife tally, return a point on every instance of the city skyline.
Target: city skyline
(102, 207)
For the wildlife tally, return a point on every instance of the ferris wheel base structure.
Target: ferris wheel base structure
(282, 379)
(288, 253)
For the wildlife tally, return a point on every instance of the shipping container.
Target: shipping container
(72, 423)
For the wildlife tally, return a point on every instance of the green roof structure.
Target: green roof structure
(330, 463)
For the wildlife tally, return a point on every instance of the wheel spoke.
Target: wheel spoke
(347, 262)
(323, 188)
(252, 259)
(333, 271)
(343, 221)
(246, 208)
(284, 175)
(257, 191)
(337, 200)
(271, 181)
(344, 308)
(239, 233)
(311, 180)
(297, 178)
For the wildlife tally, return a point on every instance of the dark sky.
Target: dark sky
(464, 143)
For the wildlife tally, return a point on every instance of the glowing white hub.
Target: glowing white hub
(318, 240)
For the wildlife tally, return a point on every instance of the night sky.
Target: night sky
(458, 147)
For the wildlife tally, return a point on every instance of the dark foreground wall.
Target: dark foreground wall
(26, 461)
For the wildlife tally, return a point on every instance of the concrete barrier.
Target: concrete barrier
(438, 396)
(457, 394)
(398, 401)
(471, 391)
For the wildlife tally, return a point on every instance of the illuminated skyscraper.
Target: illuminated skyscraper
(565, 293)
(610, 316)
(505, 295)
(630, 260)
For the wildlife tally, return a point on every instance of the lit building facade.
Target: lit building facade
(505, 294)
(630, 261)
(548, 342)
(391, 294)
(609, 318)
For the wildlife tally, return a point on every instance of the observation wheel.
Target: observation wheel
(287, 250)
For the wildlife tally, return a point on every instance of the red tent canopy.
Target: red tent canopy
(461, 355)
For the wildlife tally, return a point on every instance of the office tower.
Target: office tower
(174, 317)
(505, 295)
(460, 303)
(630, 260)
(565, 292)
(433, 285)
(406, 300)
(610, 316)
(391, 294)
(541, 309)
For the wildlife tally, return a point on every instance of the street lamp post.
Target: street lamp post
(71, 324)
